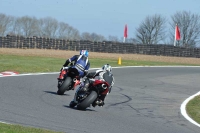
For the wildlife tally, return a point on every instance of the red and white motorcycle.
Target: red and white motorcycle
(90, 96)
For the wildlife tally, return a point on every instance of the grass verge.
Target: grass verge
(32, 64)
(8, 128)
(193, 108)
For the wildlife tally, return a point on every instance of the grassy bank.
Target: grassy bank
(193, 109)
(31, 64)
(8, 128)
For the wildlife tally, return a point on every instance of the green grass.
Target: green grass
(8, 128)
(193, 109)
(29, 64)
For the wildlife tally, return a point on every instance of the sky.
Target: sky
(104, 17)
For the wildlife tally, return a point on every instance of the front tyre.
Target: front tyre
(87, 101)
(65, 86)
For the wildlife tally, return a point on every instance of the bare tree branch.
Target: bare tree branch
(189, 25)
(92, 37)
(151, 31)
(48, 27)
(113, 38)
(5, 24)
(26, 26)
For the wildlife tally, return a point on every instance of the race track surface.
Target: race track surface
(143, 100)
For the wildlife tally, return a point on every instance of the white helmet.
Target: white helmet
(107, 67)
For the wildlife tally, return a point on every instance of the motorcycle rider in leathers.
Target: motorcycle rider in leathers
(80, 62)
(105, 73)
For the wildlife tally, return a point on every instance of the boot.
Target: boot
(72, 104)
(98, 102)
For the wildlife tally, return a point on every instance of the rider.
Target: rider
(80, 62)
(105, 73)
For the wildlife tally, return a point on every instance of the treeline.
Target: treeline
(155, 29)
(45, 27)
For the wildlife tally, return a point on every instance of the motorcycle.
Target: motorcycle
(68, 80)
(90, 96)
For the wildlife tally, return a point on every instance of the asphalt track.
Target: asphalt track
(143, 100)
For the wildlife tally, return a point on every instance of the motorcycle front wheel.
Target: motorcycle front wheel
(87, 101)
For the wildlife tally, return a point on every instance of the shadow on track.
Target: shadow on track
(55, 93)
(79, 110)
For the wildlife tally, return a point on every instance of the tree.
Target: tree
(26, 26)
(85, 36)
(113, 38)
(96, 37)
(92, 37)
(74, 34)
(5, 24)
(151, 30)
(67, 32)
(189, 25)
(48, 27)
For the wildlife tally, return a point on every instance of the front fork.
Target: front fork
(62, 74)
(60, 82)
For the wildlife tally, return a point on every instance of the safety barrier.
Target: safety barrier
(104, 46)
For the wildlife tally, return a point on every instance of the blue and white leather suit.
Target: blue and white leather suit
(81, 63)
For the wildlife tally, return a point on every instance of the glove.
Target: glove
(85, 72)
(62, 68)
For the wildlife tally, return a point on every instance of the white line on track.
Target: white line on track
(4, 122)
(182, 108)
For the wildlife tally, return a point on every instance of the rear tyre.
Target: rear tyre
(65, 86)
(86, 102)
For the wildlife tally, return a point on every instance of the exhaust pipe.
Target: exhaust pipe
(104, 86)
(74, 80)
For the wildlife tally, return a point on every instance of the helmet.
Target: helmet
(84, 52)
(107, 67)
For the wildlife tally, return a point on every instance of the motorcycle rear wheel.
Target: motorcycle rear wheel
(65, 86)
(87, 101)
